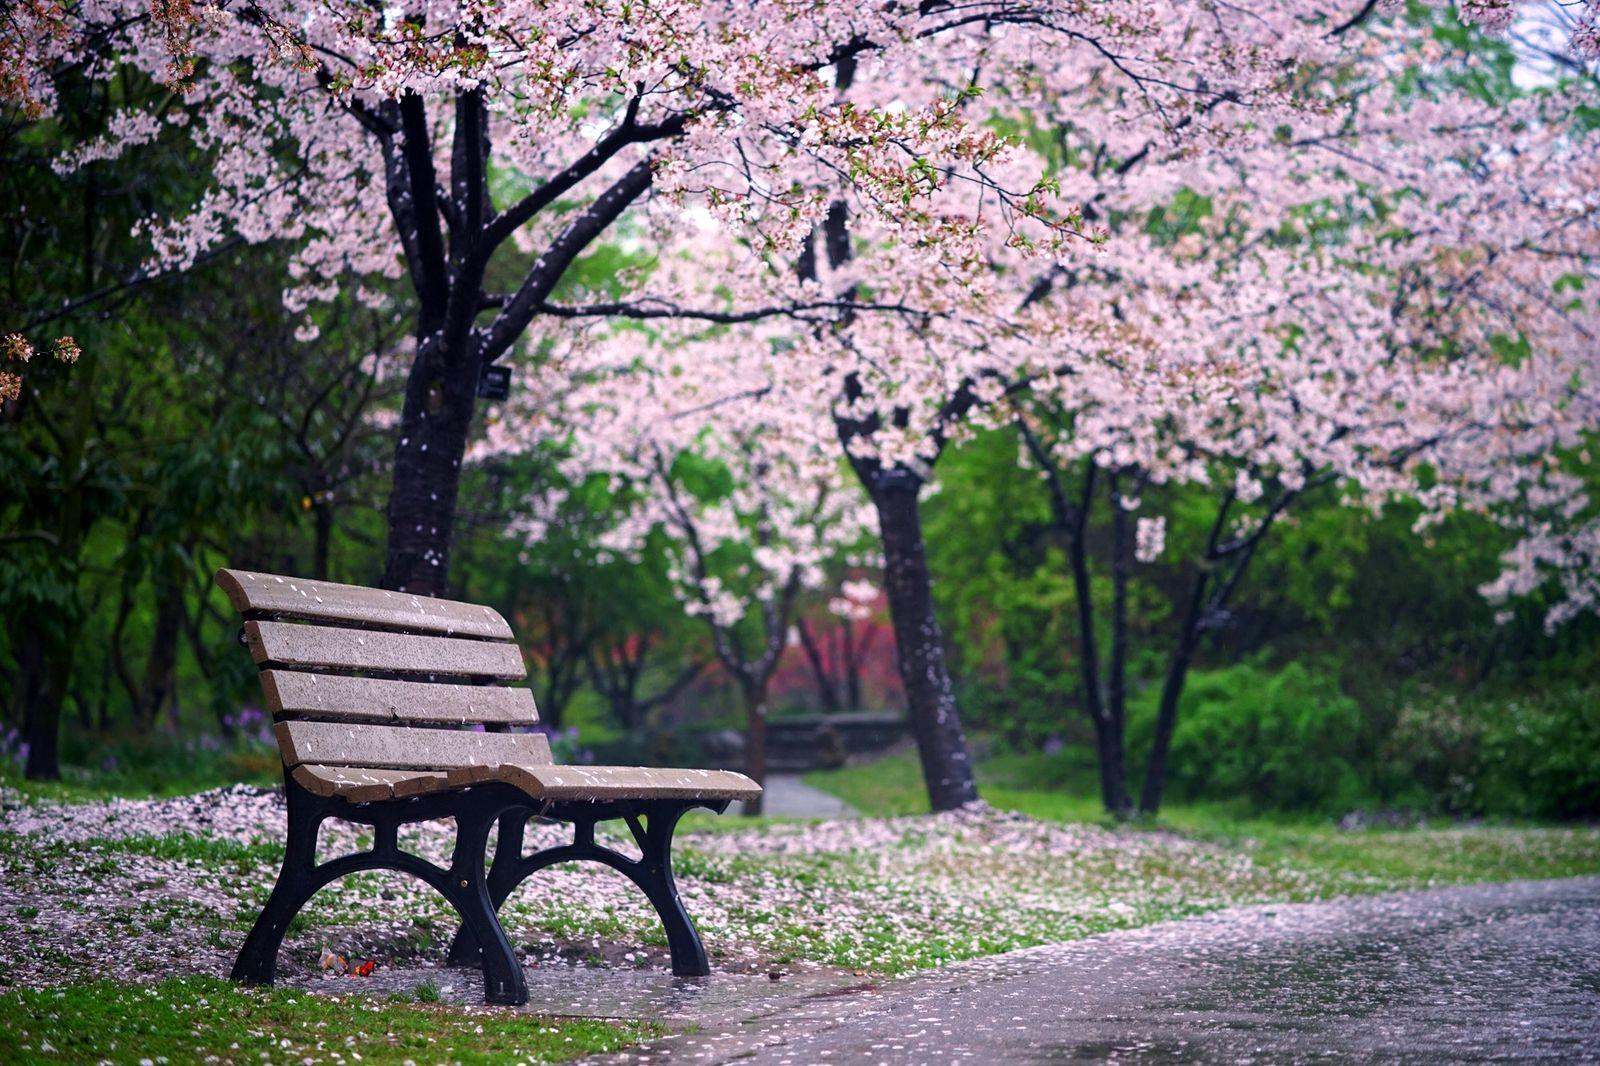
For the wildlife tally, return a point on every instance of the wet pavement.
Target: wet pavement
(1472, 974)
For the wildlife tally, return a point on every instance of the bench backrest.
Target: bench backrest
(368, 678)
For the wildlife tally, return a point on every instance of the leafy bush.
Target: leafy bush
(1429, 759)
(1524, 755)
(1285, 739)
(1539, 756)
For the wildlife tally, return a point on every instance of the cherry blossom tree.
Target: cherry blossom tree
(1403, 334)
(480, 149)
(900, 341)
(1376, 231)
(748, 527)
(852, 193)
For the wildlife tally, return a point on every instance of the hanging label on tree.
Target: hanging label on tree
(494, 383)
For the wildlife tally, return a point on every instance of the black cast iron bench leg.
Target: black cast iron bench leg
(651, 872)
(464, 885)
(257, 962)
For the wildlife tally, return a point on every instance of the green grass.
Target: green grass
(156, 766)
(187, 1019)
(1063, 789)
(184, 847)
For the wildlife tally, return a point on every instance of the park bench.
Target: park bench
(391, 709)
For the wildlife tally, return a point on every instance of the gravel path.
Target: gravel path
(1487, 972)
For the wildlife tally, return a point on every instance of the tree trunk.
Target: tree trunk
(44, 719)
(322, 518)
(31, 695)
(856, 641)
(441, 393)
(162, 659)
(1110, 743)
(1115, 789)
(819, 667)
(42, 733)
(755, 743)
(1110, 751)
(1155, 770)
(930, 696)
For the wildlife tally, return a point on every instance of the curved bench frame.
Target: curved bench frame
(476, 892)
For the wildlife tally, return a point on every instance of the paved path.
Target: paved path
(1503, 972)
(788, 796)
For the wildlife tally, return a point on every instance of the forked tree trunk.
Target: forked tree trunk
(1155, 770)
(441, 393)
(930, 696)
(1104, 714)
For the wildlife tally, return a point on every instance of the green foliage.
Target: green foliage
(1531, 755)
(1003, 593)
(1283, 740)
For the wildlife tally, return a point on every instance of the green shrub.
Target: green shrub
(1540, 755)
(1529, 755)
(1431, 757)
(1285, 739)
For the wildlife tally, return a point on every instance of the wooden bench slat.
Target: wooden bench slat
(364, 785)
(329, 648)
(569, 784)
(403, 748)
(291, 692)
(600, 784)
(329, 602)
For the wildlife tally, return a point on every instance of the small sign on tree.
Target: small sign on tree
(494, 383)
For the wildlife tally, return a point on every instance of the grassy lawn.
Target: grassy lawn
(1335, 861)
(201, 1019)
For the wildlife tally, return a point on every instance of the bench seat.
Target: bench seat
(556, 784)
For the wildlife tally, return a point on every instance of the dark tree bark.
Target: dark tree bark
(161, 661)
(322, 539)
(38, 702)
(441, 394)
(1114, 787)
(1155, 770)
(930, 696)
(826, 690)
(755, 741)
(1106, 715)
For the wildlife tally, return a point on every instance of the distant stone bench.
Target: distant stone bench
(393, 708)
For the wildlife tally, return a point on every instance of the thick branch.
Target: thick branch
(429, 270)
(547, 270)
(628, 132)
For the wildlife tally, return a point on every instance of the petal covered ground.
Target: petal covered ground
(144, 889)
